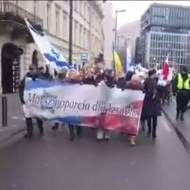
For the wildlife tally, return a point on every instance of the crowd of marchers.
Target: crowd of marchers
(94, 75)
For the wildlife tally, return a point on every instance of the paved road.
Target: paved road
(182, 126)
(52, 162)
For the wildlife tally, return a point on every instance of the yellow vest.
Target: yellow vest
(183, 84)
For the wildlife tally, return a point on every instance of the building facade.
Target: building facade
(165, 32)
(53, 17)
(108, 26)
(137, 51)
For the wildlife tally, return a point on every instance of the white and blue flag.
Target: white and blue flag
(52, 56)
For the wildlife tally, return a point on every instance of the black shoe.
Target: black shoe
(177, 116)
(41, 132)
(71, 137)
(143, 127)
(154, 136)
(79, 131)
(148, 134)
(28, 136)
(182, 118)
(55, 128)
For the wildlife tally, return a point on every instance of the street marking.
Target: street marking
(166, 125)
(15, 117)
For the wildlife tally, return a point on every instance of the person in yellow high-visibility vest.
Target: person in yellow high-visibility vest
(182, 87)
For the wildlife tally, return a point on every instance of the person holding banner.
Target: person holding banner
(32, 74)
(73, 77)
(44, 74)
(90, 78)
(61, 76)
(110, 82)
(152, 106)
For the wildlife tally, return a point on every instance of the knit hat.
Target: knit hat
(151, 72)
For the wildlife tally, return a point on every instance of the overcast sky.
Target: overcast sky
(135, 9)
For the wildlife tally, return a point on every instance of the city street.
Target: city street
(53, 162)
(102, 64)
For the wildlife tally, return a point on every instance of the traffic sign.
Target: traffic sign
(84, 56)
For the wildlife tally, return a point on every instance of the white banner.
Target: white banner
(84, 105)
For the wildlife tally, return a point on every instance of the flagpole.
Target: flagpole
(113, 65)
(70, 31)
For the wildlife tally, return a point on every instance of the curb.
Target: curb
(182, 138)
(10, 136)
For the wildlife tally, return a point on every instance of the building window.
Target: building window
(84, 39)
(35, 7)
(57, 22)
(76, 32)
(74, 5)
(80, 35)
(85, 11)
(77, 6)
(88, 40)
(64, 27)
(80, 7)
(48, 17)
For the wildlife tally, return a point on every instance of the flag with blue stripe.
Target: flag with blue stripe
(52, 56)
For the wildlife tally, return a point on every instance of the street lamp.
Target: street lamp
(116, 12)
(70, 30)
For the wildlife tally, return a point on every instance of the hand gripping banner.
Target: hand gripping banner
(85, 105)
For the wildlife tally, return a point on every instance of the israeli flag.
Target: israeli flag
(52, 56)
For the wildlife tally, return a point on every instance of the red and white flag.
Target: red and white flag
(165, 68)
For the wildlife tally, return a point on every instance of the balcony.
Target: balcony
(9, 11)
(12, 20)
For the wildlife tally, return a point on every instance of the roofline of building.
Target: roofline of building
(168, 5)
(163, 5)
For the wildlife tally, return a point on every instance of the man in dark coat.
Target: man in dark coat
(109, 78)
(42, 74)
(151, 106)
(33, 75)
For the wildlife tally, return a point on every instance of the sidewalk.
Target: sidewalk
(16, 123)
(182, 128)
